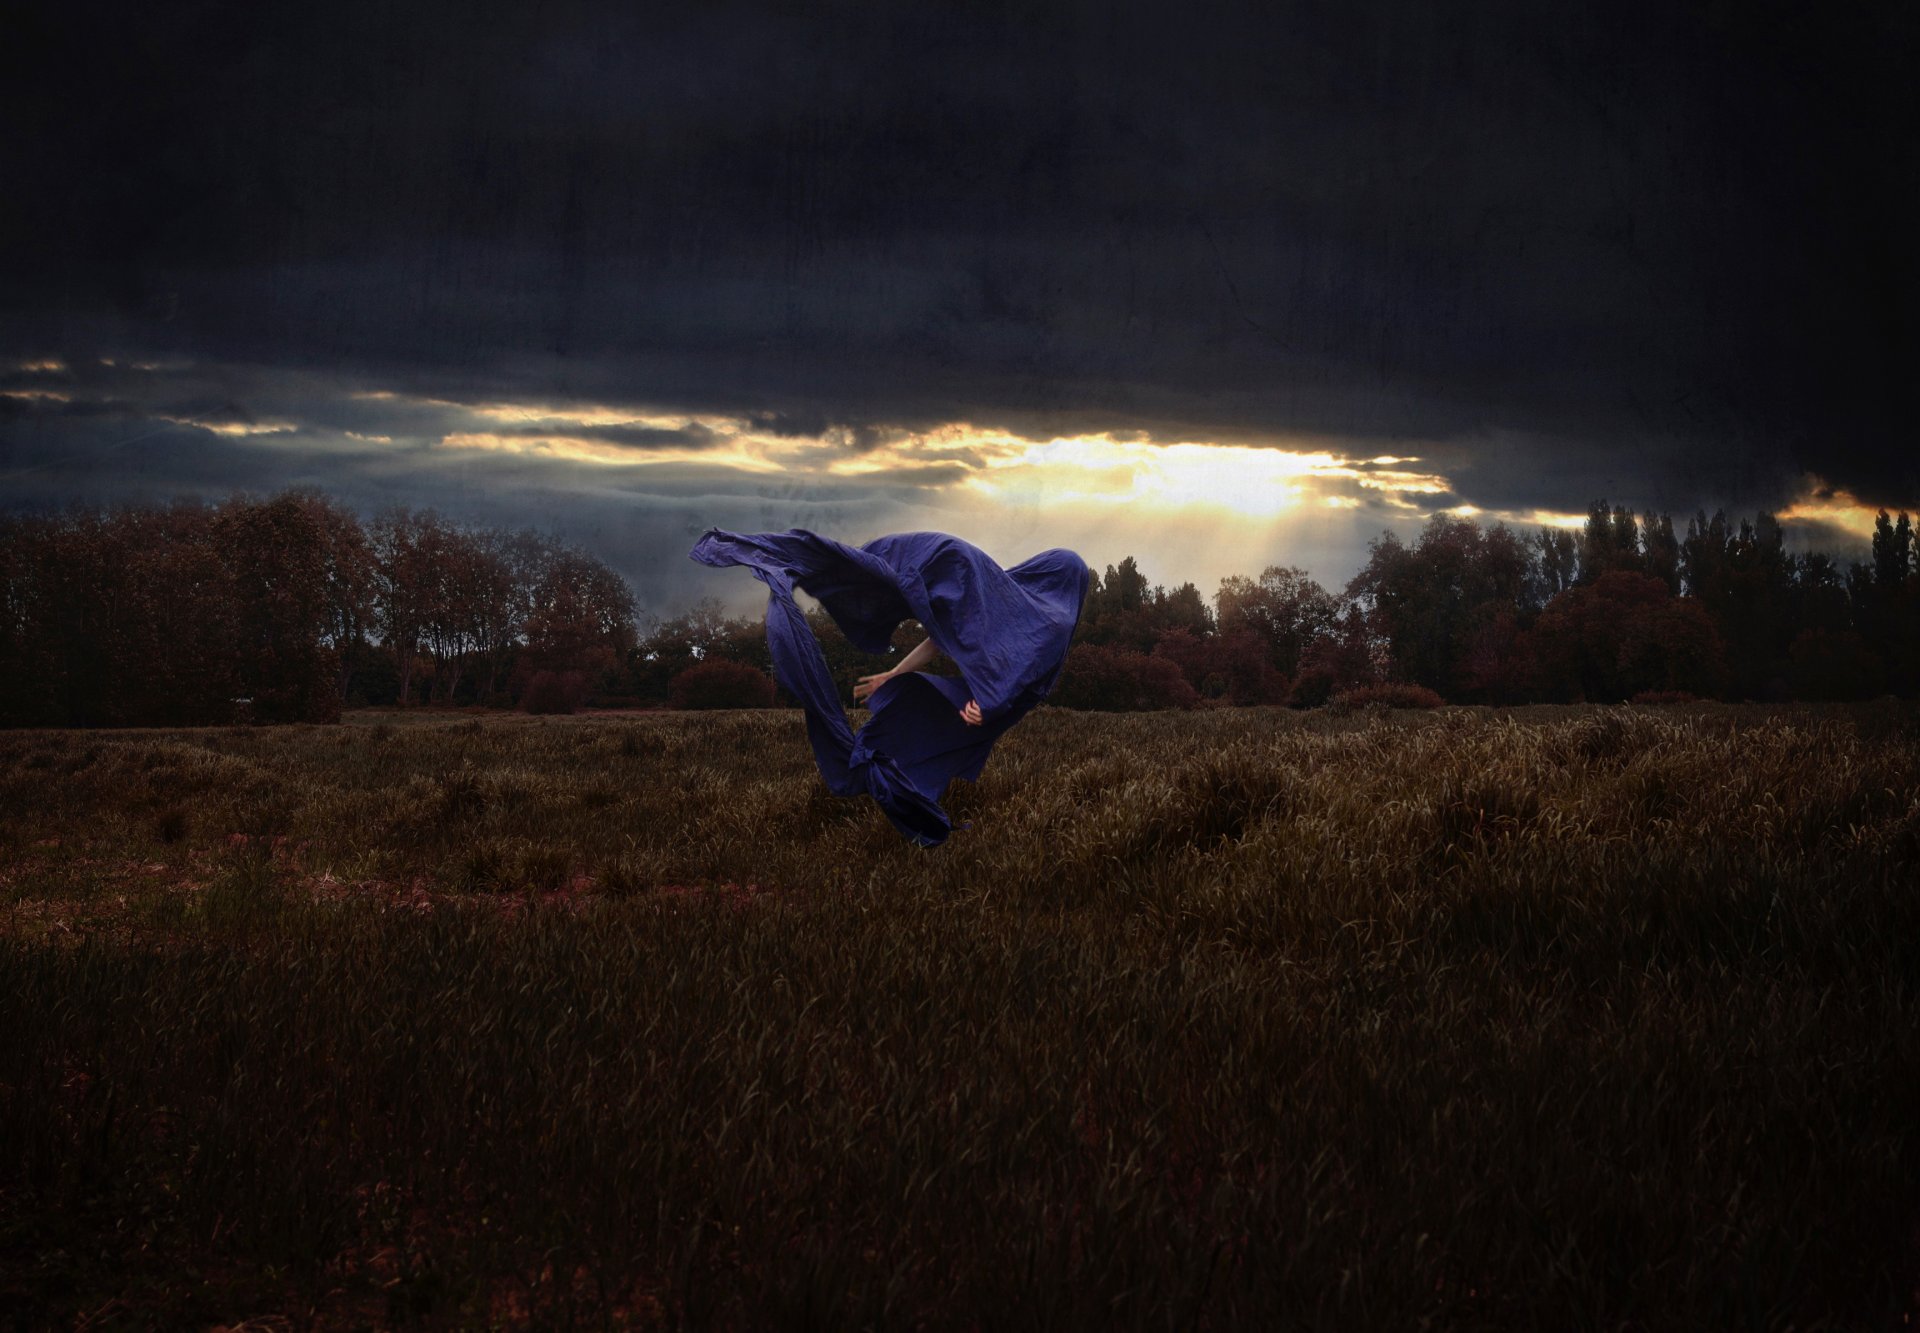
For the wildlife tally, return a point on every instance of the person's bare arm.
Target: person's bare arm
(924, 653)
(913, 661)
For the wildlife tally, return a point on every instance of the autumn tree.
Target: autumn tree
(1625, 633)
(1284, 609)
(1352, 652)
(276, 551)
(494, 605)
(348, 564)
(117, 618)
(156, 615)
(1428, 601)
(1123, 609)
(444, 553)
(581, 616)
(404, 591)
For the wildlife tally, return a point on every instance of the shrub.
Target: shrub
(1230, 667)
(554, 692)
(1118, 680)
(1665, 697)
(1341, 659)
(1393, 694)
(719, 683)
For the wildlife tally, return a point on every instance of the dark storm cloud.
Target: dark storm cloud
(694, 436)
(14, 406)
(1648, 250)
(1519, 472)
(35, 380)
(789, 426)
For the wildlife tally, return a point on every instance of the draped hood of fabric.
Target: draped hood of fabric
(1007, 630)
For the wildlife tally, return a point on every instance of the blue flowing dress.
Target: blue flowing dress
(1006, 629)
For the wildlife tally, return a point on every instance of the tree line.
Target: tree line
(290, 608)
(1625, 608)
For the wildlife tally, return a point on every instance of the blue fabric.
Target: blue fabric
(1006, 629)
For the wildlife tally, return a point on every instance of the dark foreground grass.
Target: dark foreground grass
(1567, 1019)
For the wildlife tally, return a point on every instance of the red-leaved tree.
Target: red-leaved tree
(1625, 633)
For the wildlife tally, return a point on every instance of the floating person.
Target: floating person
(1007, 630)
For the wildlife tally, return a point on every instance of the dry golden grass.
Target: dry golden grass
(1571, 1018)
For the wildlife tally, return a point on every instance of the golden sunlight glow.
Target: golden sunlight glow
(47, 395)
(956, 443)
(1162, 476)
(254, 428)
(1832, 506)
(1547, 518)
(580, 449)
(47, 367)
(1100, 470)
(1416, 483)
(529, 414)
(565, 431)
(1093, 473)
(238, 428)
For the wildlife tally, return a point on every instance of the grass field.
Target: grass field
(1556, 1019)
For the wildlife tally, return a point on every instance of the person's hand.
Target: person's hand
(971, 713)
(866, 685)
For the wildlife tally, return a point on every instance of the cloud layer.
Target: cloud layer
(638, 483)
(1651, 252)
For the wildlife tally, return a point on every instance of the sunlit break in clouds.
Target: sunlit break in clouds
(1161, 478)
(1132, 475)
(642, 479)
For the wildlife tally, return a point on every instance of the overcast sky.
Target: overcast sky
(1219, 290)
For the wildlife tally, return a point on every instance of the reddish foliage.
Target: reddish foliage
(1500, 666)
(1117, 680)
(1428, 600)
(1231, 667)
(1393, 694)
(719, 683)
(554, 692)
(1341, 659)
(1625, 633)
(1283, 609)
